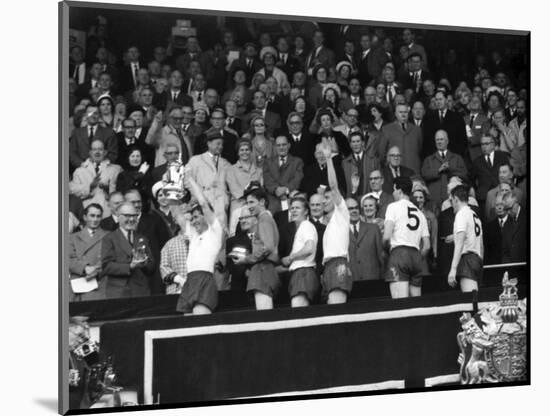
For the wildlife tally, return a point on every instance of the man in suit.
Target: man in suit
(77, 66)
(128, 78)
(366, 258)
(85, 257)
(415, 75)
(126, 140)
(514, 238)
(126, 273)
(477, 124)
(320, 54)
(272, 120)
(413, 47)
(110, 223)
(232, 121)
(493, 232)
(301, 142)
(317, 218)
(316, 175)
(348, 55)
(393, 88)
(439, 167)
(371, 60)
(448, 120)
(282, 174)
(364, 108)
(92, 81)
(383, 198)
(95, 178)
(404, 135)
(159, 137)
(485, 169)
(418, 111)
(217, 119)
(393, 169)
(505, 176)
(194, 53)
(156, 233)
(82, 137)
(358, 165)
(247, 61)
(285, 61)
(175, 95)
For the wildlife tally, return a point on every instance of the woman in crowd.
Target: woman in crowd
(238, 176)
(369, 205)
(238, 83)
(373, 130)
(339, 143)
(419, 198)
(302, 107)
(106, 108)
(201, 117)
(137, 175)
(262, 144)
(320, 76)
(343, 74)
(331, 98)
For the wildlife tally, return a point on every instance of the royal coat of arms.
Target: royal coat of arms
(493, 342)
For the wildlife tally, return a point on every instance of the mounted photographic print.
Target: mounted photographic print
(261, 207)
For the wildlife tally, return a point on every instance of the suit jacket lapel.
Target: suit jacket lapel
(124, 243)
(362, 231)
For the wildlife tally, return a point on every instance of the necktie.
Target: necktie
(97, 168)
(440, 116)
(92, 233)
(442, 155)
(472, 117)
(135, 73)
(174, 96)
(229, 121)
(131, 238)
(357, 158)
(390, 93)
(91, 133)
(501, 222)
(488, 158)
(297, 139)
(178, 131)
(185, 127)
(355, 230)
(216, 161)
(355, 100)
(404, 126)
(281, 161)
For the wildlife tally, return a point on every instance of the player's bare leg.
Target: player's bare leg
(468, 285)
(263, 301)
(399, 290)
(415, 290)
(337, 296)
(299, 301)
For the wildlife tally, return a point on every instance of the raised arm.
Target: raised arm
(332, 179)
(196, 192)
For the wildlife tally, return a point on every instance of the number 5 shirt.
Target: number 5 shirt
(410, 224)
(468, 222)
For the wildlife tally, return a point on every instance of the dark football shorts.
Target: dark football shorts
(200, 288)
(263, 277)
(405, 265)
(470, 266)
(304, 281)
(337, 275)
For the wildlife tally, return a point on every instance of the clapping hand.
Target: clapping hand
(144, 168)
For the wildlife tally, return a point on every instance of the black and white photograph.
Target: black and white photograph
(267, 207)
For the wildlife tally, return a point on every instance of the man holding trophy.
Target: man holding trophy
(126, 258)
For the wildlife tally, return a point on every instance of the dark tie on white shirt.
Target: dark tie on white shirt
(356, 229)
(488, 158)
(501, 222)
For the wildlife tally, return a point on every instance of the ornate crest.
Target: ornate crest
(496, 351)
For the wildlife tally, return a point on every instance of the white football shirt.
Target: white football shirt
(468, 222)
(410, 224)
(203, 248)
(306, 231)
(336, 236)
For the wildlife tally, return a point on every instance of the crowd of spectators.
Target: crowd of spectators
(260, 112)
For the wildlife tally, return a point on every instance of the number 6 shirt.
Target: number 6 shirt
(468, 222)
(410, 224)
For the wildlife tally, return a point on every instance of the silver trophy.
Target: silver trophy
(139, 252)
(173, 179)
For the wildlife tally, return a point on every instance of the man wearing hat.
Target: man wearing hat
(217, 119)
(209, 171)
